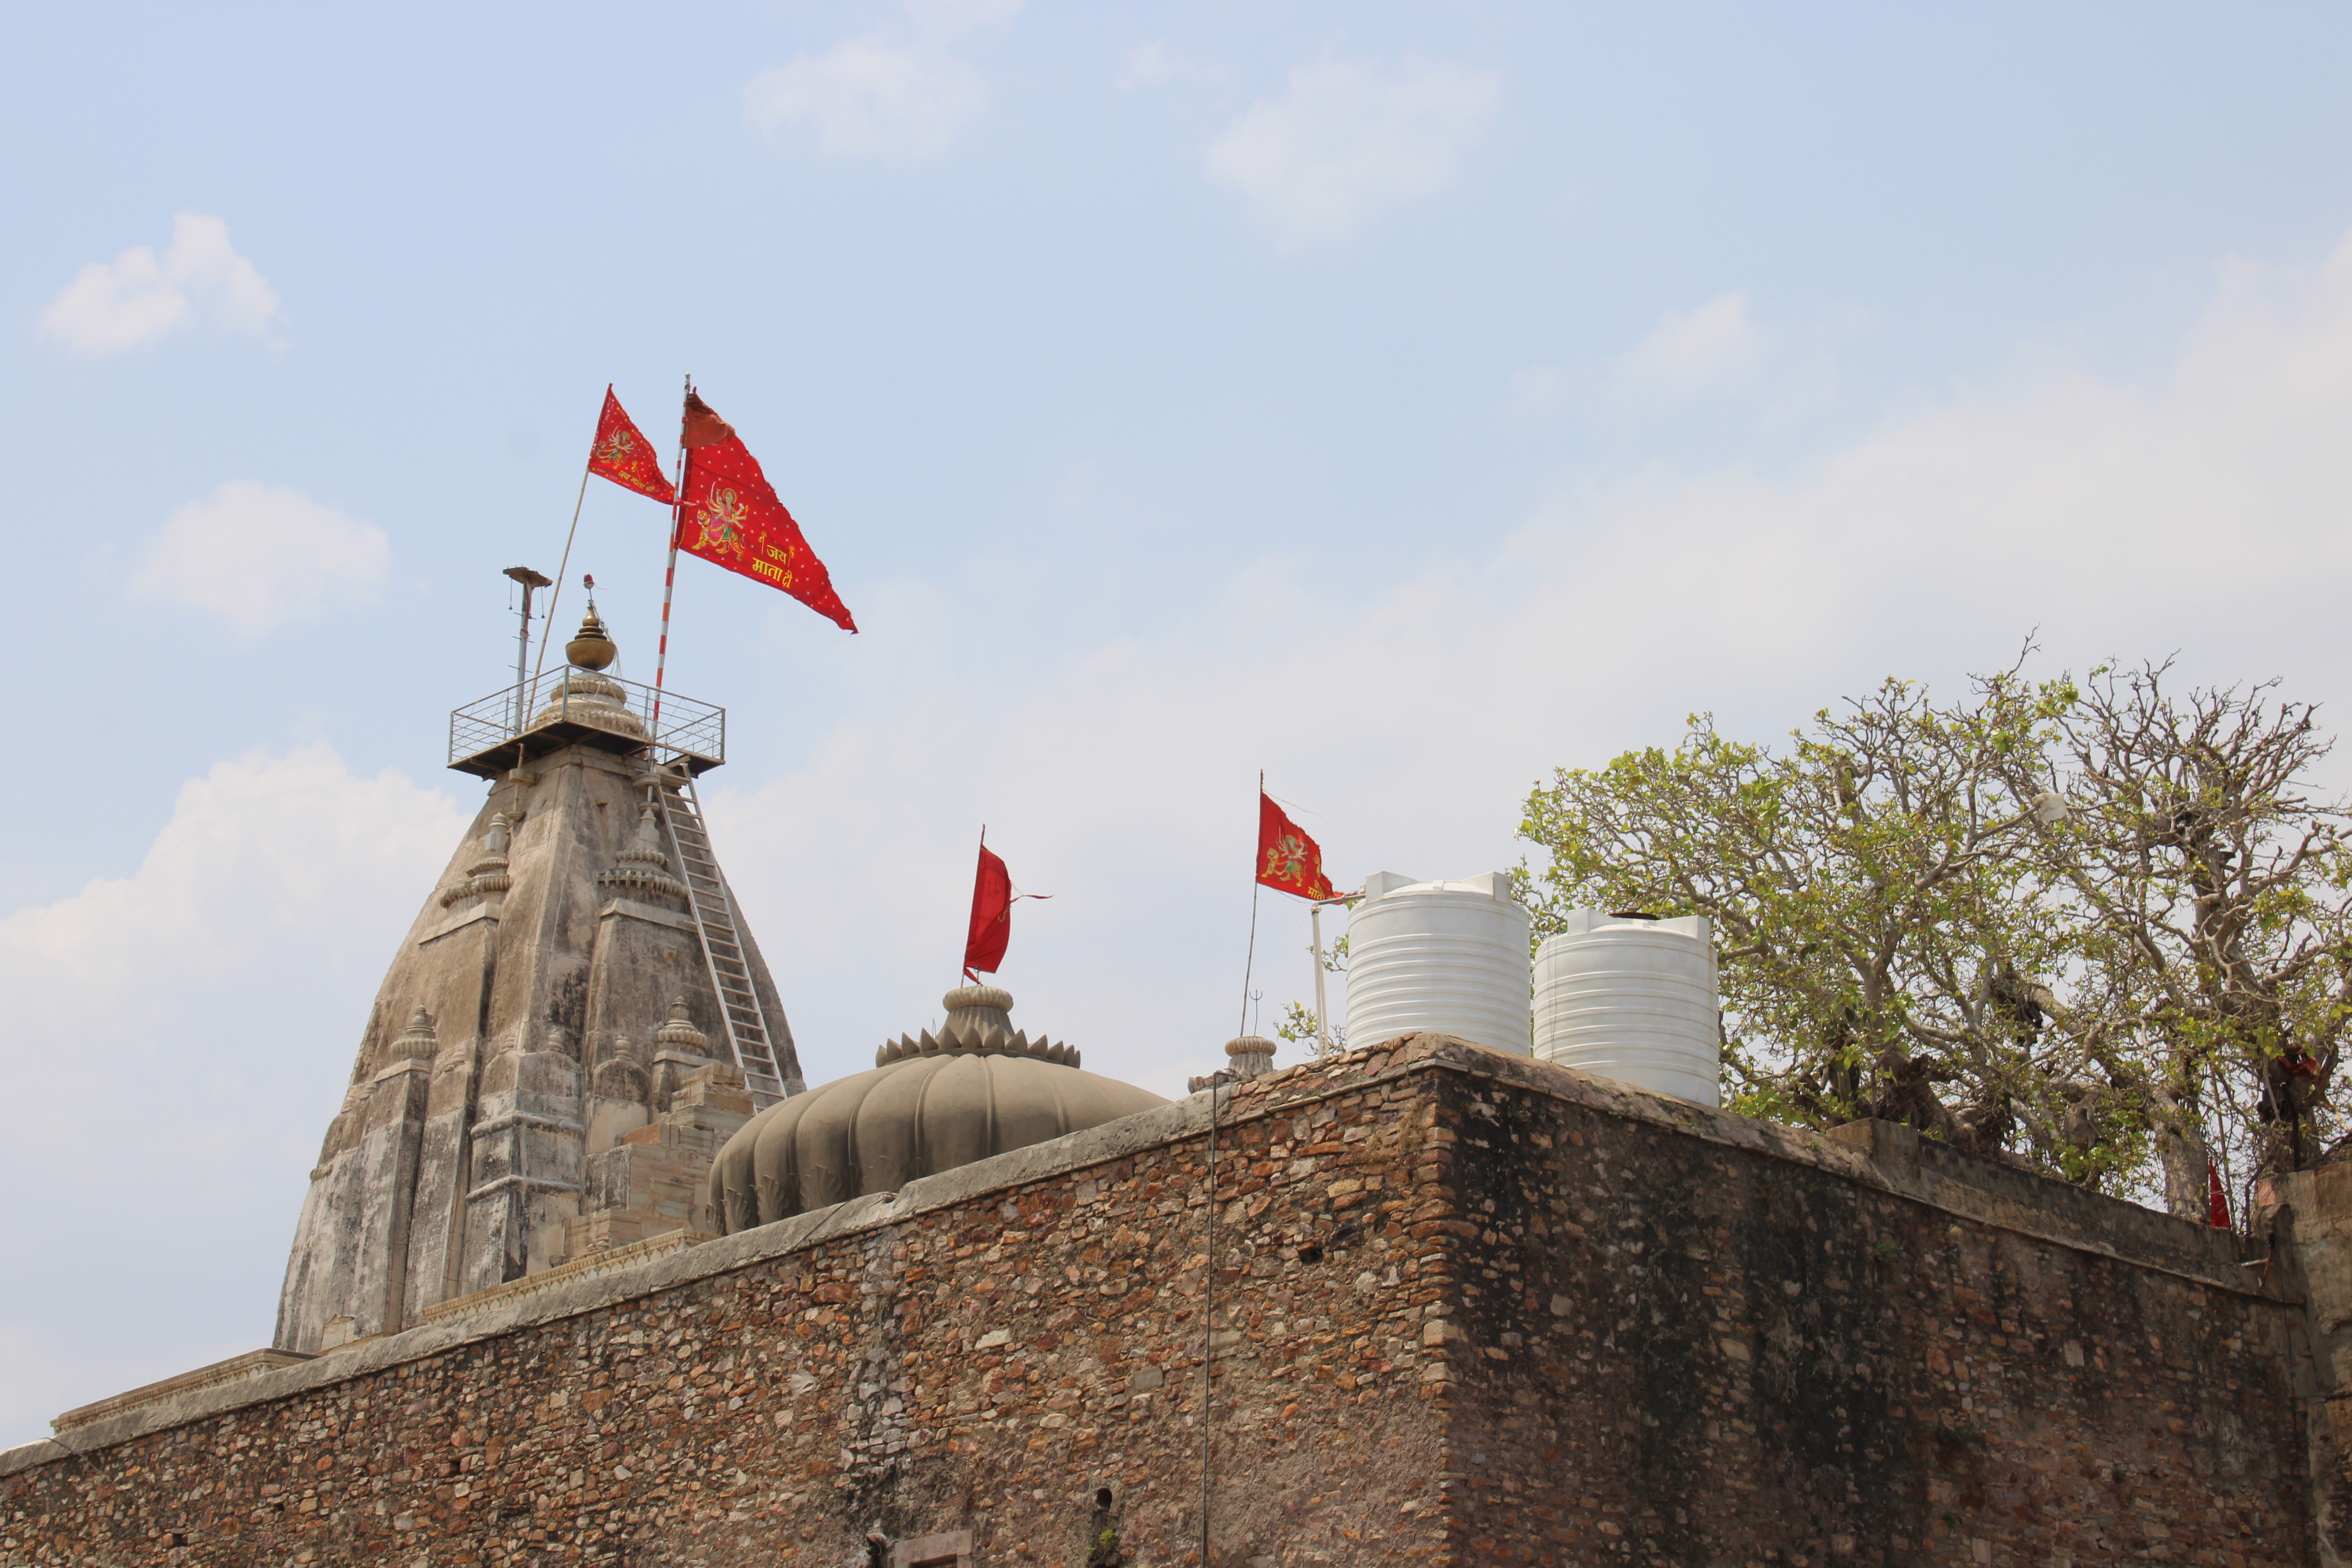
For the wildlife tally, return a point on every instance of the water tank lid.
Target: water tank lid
(1580, 922)
(1500, 886)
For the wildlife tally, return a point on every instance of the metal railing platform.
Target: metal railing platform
(499, 732)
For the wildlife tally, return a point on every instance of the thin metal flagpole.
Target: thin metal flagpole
(969, 977)
(1249, 964)
(548, 624)
(1217, 1080)
(669, 576)
(1322, 1007)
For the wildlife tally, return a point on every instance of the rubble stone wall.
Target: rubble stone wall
(1665, 1352)
(1466, 1309)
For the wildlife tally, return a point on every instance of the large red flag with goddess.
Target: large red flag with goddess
(729, 514)
(622, 454)
(1288, 860)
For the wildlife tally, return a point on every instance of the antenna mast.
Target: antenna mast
(530, 580)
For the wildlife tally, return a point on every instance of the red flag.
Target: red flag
(1288, 860)
(992, 915)
(623, 455)
(2217, 1202)
(730, 515)
(701, 425)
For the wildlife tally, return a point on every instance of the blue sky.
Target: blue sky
(1405, 400)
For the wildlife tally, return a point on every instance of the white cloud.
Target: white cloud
(892, 96)
(140, 296)
(1714, 348)
(178, 1038)
(1352, 139)
(260, 556)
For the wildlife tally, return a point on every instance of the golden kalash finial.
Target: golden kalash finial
(594, 648)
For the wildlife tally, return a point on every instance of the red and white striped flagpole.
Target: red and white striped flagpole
(669, 577)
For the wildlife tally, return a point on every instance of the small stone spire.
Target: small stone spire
(419, 1042)
(680, 1033)
(1252, 1055)
(486, 877)
(622, 1074)
(643, 866)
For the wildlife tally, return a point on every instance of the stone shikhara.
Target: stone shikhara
(1469, 1309)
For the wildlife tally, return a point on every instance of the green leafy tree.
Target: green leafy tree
(1874, 894)
(1299, 1023)
(2210, 891)
(2103, 930)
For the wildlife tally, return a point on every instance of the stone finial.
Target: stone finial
(993, 997)
(643, 869)
(486, 877)
(680, 1033)
(417, 1042)
(1251, 1055)
(979, 1023)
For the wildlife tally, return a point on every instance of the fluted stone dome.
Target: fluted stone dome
(978, 1088)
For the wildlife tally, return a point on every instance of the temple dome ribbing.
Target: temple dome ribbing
(975, 1088)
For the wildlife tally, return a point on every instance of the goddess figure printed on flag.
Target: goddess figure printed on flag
(1285, 860)
(616, 450)
(721, 522)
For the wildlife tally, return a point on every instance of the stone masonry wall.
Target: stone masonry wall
(1467, 1309)
(1665, 1351)
(994, 1363)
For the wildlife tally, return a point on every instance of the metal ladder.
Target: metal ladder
(748, 1034)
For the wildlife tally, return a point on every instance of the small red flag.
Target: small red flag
(2217, 1202)
(992, 913)
(701, 426)
(731, 515)
(623, 455)
(1288, 860)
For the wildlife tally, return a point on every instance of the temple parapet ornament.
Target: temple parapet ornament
(979, 1024)
(486, 878)
(643, 868)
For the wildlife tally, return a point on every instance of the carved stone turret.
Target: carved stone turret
(1251, 1055)
(419, 1042)
(622, 1075)
(642, 871)
(486, 878)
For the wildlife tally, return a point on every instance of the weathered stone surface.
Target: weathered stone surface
(1459, 1307)
(466, 1168)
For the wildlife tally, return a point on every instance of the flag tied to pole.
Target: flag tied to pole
(992, 913)
(622, 454)
(729, 514)
(1288, 860)
(2217, 1202)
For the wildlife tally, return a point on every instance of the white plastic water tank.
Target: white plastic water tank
(1444, 956)
(1632, 1000)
